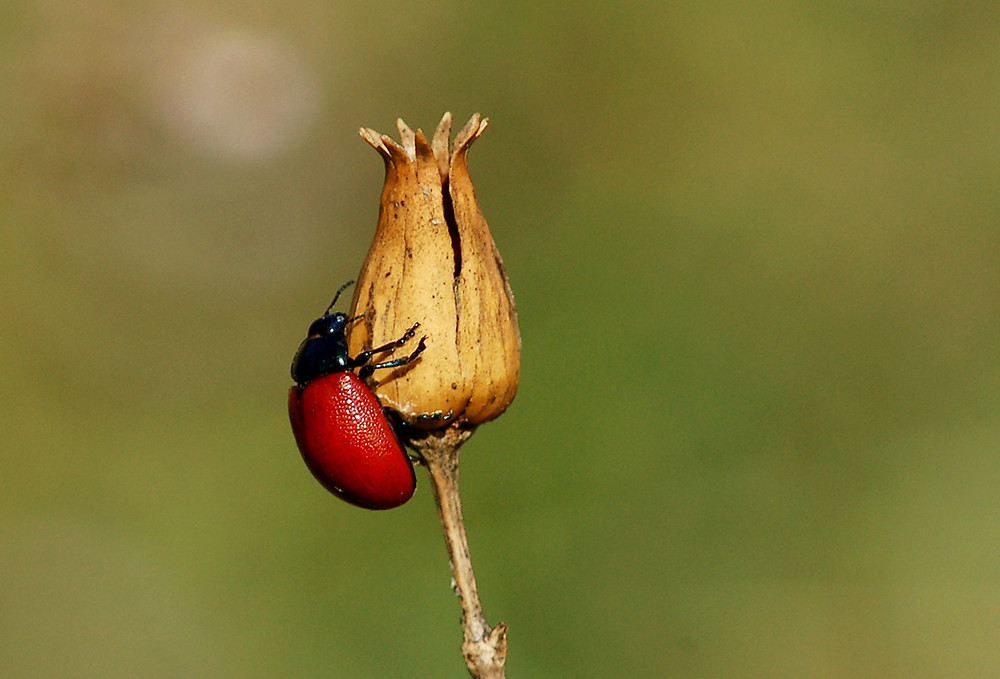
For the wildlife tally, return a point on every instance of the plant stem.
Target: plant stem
(484, 648)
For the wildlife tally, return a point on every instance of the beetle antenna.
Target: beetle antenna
(337, 296)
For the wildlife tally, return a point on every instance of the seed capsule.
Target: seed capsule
(433, 261)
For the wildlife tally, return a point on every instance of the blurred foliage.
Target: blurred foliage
(755, 253)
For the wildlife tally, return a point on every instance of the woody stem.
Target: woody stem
(484, 648)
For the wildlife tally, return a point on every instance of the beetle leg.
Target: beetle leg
(365, 356)
(367, 370)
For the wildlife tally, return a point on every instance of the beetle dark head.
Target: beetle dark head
(330, 324)
(324, 349)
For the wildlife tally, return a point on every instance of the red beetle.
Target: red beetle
(339, 426)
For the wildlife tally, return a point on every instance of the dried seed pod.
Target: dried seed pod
(433, 261)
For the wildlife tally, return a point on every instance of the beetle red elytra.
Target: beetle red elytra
(339, 425)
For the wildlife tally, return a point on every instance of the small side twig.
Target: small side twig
(484, 647)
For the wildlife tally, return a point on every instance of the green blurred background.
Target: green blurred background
(755, 253)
